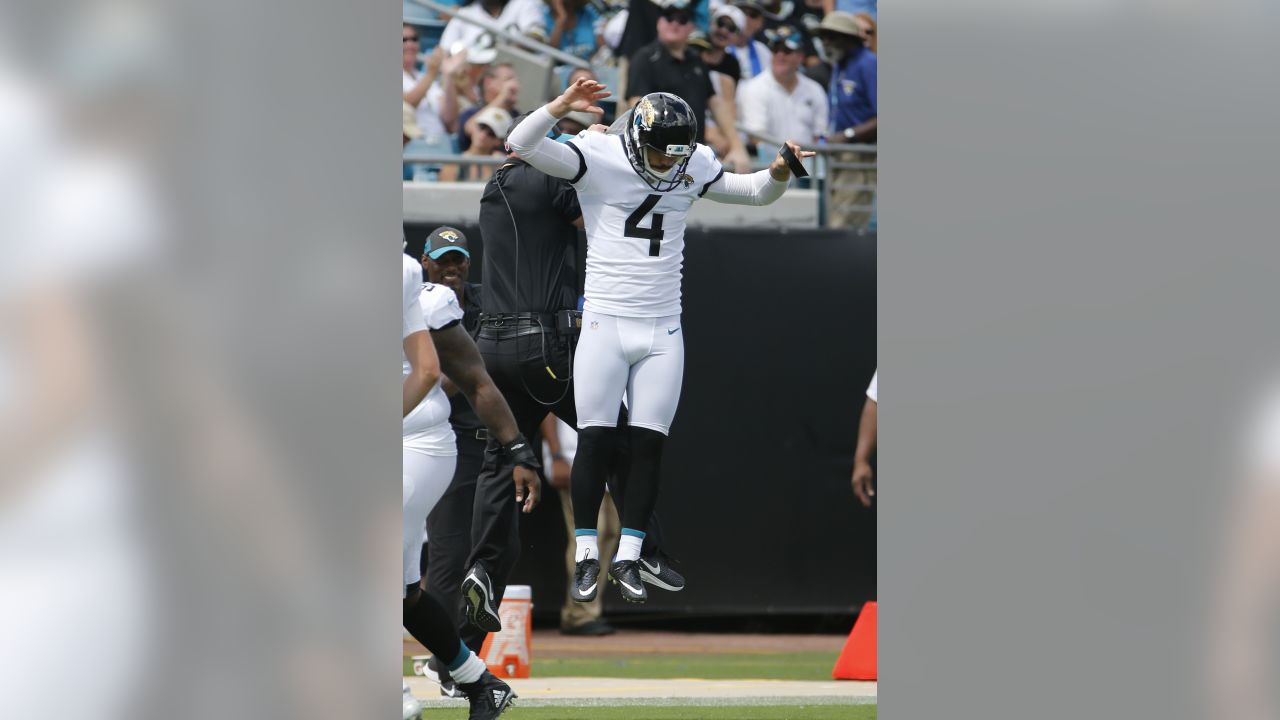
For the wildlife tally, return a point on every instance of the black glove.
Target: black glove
(520, 452)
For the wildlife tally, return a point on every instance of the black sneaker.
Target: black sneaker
(477, 591)
(657, 571)
(435, 670)
(488, 696)
(586, 575)
(626, 575)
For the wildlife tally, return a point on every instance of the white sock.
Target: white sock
(629, 546)
(470, 670)
(588, 547)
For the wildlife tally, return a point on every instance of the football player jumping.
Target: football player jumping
(635, 185)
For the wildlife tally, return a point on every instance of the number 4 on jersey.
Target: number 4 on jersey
(652, 234)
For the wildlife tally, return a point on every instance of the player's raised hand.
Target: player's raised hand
(779, 168)
(581, 96)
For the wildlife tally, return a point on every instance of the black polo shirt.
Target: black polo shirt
(538, 275)
(653, 69)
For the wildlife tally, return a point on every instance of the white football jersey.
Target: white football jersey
(409, 307)
(635, 234)
(426, 427)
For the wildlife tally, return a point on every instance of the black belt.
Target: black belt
(508, 319)
(512, 325)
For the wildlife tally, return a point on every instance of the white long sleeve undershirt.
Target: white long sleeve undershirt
(530, 142)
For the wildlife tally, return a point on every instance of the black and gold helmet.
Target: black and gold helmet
(667, 124)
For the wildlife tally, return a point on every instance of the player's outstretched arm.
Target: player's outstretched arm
(529, 139)
(461, 361)
(758, 188)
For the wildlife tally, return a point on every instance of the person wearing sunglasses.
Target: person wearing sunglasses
(420, 90)
(670, 65)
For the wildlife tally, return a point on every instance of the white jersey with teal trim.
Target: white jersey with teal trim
(635, 234)
(426, 427)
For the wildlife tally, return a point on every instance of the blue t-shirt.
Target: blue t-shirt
(579, 41)
(853, 91)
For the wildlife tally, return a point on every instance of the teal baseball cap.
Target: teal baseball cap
(443, 240)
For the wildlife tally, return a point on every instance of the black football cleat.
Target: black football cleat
(489, 697)
(586, 576)
(657, 571)
(477, 591)
(626, 575)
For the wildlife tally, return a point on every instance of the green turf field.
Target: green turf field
(701, 712)
(736, 666)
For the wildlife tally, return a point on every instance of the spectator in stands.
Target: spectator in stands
(522, 17)
(853, 119)
(669, 65)
(573, 26)
(461, 72)
(867, 25)
(853, 80)
(421, 90)
(751, 54)
(488, 132)
(499, 87)
(783, 103)
(642, 18)
(726, 25)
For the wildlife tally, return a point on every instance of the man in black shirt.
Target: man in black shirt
(669, 65)
(446, 260)
(530, 222)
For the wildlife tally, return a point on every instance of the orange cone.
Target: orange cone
(857, 660)
(507, 652)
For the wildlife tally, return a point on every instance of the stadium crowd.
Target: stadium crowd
(753, 70)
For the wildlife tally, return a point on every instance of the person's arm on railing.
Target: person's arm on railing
(529, 139)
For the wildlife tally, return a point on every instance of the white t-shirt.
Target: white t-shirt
(628, 273)
(767, 107)
(426, 428)
(873, 391)
(744, 53)
(518, 16)
(428, 111)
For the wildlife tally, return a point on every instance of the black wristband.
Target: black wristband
(520, 452)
